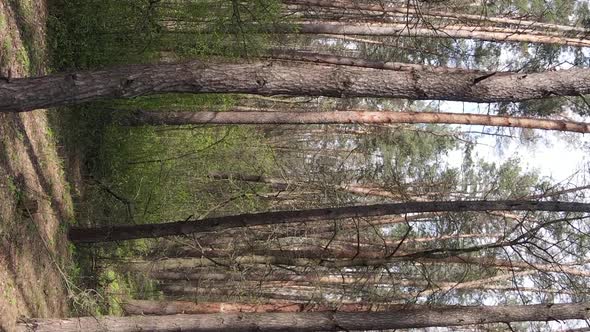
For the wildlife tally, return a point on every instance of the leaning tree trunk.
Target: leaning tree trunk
(349, 117)
(130, 232)
(276, 78)
(416, 317)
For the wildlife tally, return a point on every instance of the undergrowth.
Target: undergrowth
(149, 174)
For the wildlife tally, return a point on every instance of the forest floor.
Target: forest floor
(35, 202)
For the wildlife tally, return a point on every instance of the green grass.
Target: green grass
(31, 56)
(6, 48)
(145, 174)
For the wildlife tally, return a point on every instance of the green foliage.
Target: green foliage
(144, 165)
(173, 101)
(504, 181)
(410, 153)
(151, 174)
(232, 28)
(96, 33)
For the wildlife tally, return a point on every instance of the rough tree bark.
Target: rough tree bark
(129, 232)
(349, 117)
(276, 78)
(316, 321)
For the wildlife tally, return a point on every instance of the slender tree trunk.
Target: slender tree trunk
(403, 29)
(354, 5)
(461, 32)
(472, 284)
(148, 307)
(347, 242)
(328, 229)
(510, 264)
(294, 55)
(294, 294)
(349, 117)
(347, 259)
(363, 190)
(129, 232)
(321, 281)
(272, 78)
(315, 321)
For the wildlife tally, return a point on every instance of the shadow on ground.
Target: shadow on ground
(35, 204)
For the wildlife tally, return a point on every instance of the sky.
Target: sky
(560, 157)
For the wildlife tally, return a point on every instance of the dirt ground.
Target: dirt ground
(35, 203)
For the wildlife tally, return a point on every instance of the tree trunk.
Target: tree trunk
(148, 307)
(510, 264)
(316, 321)
(349, 117)
(384, 8)
(274, 78)
(349, 259)
(366, 63)
(326, 229)
(460, 31)
(130, 232)
(334, 241)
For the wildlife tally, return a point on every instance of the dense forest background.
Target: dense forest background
(197, 158)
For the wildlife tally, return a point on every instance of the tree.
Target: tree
(294, 55)
(118, 233)
(272, 78)
(150, 307)
(400, 9)
(415, 317)
(441, 31)
(349, 117)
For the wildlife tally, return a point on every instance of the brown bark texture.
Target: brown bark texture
(279, 78)
(350, 117)
(315, 321)
(129, 232)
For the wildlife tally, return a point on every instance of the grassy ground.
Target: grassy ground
(78, 166)
(139, 175)
(35, 204)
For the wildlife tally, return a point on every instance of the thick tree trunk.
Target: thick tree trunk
(396, 8)
(316, 321)
(272, 78)
(455, 31)
(118, 233)
(350, 117)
